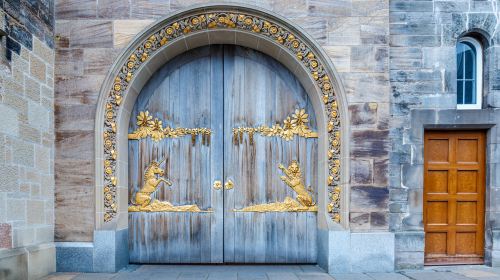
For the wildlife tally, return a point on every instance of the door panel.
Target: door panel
(185, 93)
(454, 183)
(273, 169)
(259, 91)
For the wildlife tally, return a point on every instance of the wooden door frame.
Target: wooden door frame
(482, 193)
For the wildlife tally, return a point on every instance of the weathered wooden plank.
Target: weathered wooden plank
(258, 90)
(227, 87)
(181, 94)
(216, 151)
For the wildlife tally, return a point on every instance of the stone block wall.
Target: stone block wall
(90, 34)
(26, 139)
(423, 35)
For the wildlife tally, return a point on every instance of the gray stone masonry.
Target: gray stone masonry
(27, 140)
(422, 67)
(396, 59)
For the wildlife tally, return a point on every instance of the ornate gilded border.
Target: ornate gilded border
(204, 20)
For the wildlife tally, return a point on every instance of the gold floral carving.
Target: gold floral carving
(149, 127)
(143, 201)
(292, 126)
(221, 18)
(293, 178)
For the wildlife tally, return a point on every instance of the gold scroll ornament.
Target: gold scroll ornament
(147, 127)
(295, 125)
(303, 203)
(143, 201)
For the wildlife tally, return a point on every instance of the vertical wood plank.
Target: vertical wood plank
(172, 92)
(258, 90)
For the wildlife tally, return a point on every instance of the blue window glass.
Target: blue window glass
(466, 73)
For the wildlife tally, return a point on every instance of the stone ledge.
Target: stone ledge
(32, 262)
(348, 252)
(108, 253)
(74, 256)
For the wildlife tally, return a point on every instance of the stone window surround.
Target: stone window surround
(450, 119)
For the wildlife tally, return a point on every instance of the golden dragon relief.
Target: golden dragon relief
(149, 127)
(302, 203)
(143, 200)
(292, 126)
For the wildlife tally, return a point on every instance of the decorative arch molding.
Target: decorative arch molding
(242, 25)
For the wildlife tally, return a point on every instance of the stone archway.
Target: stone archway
(220, 24)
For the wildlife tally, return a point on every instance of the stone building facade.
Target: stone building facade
(422, 73)
(395, 67)
(27, 137)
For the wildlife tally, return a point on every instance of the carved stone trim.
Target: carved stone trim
(228, 19)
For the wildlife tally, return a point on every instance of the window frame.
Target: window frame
(478, 75)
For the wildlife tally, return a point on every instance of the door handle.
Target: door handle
(229, 185)
(217, 185)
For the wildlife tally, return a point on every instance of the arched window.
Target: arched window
(469, 74)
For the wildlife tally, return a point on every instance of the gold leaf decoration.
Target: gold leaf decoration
(246, 22)
(149, 127)
(303, 202)
(297, 125)
(143, 200)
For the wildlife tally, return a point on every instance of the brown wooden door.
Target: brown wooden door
(454, 184)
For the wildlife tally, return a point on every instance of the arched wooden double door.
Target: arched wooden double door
(234, 133)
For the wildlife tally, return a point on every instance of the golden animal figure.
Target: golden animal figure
(143, 201)
(293, 178)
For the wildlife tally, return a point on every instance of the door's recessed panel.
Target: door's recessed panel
(438, 150)
(437, 212)
(466, 243)
(466, 212)
(437, 181)
(435, 243)
(467, 150)
(467, 181)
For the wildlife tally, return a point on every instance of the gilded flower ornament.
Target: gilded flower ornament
(149, 127)
(157, 130)
(300, 118)
(296, 125)
(288, 124)
(143, 118)
(156, 125)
